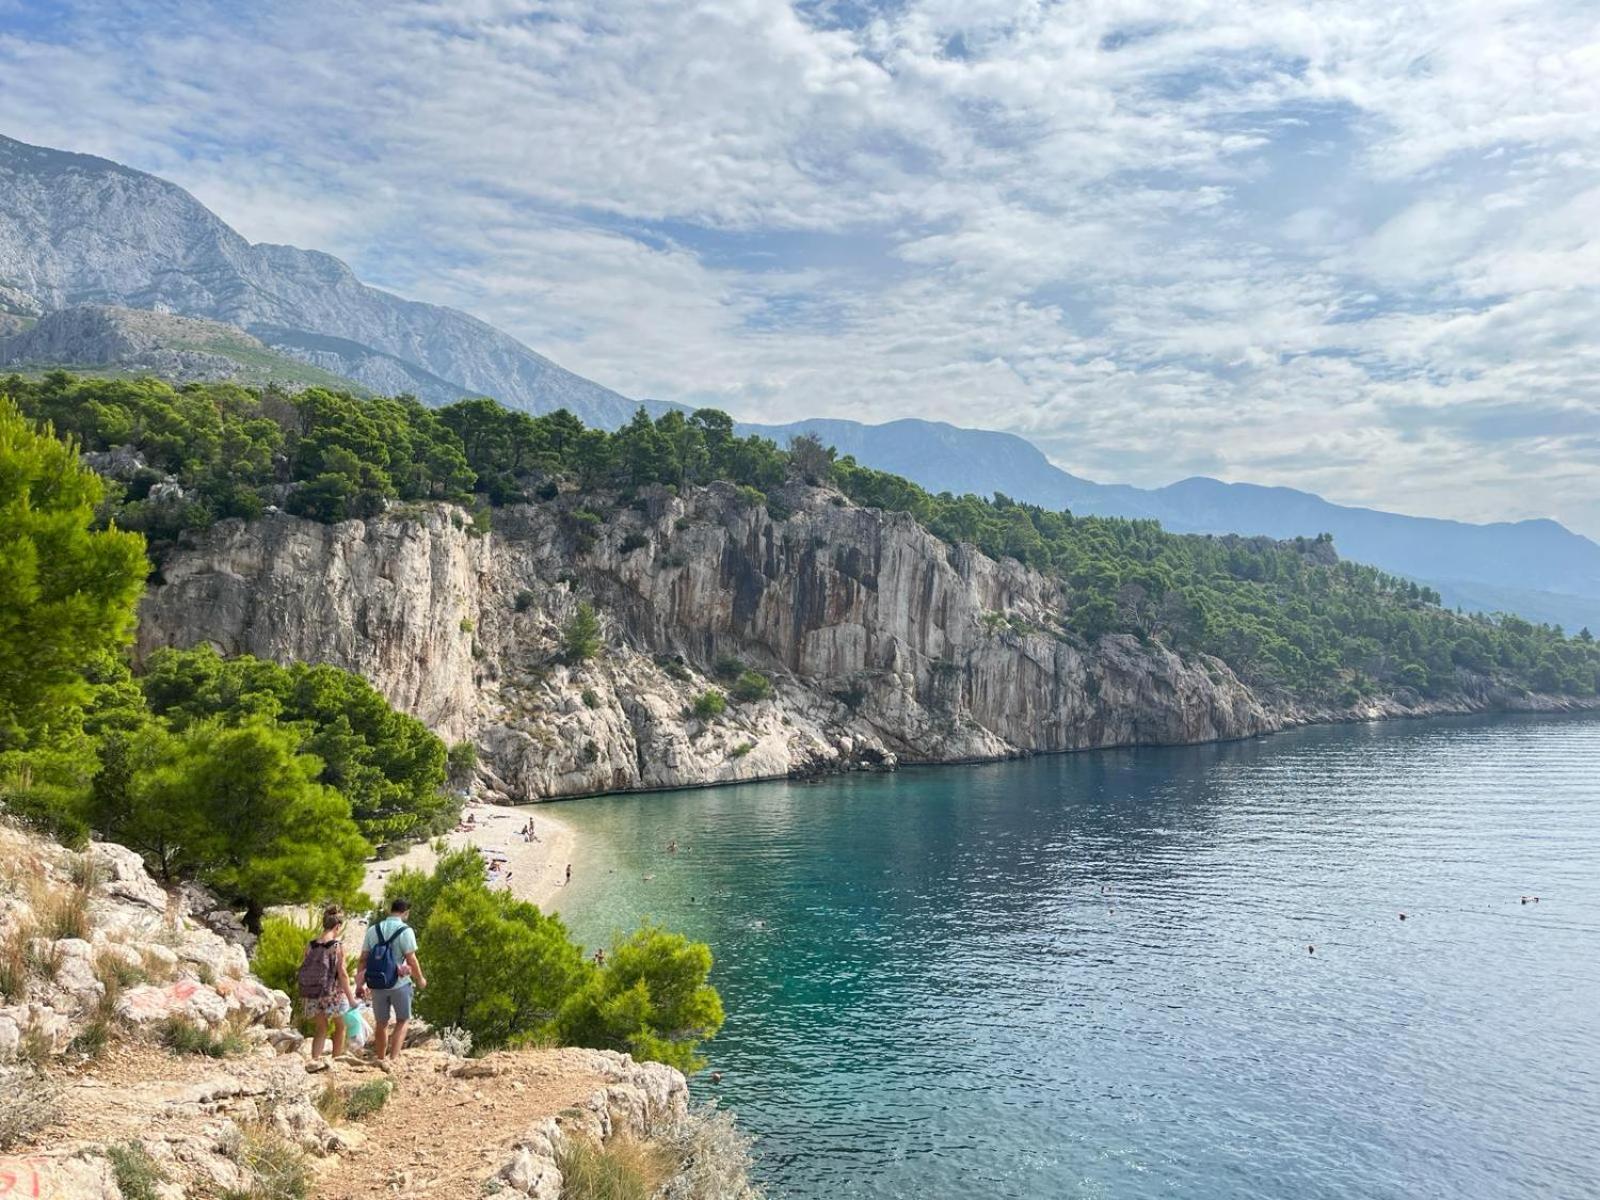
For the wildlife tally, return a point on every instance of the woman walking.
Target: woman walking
(324, 986)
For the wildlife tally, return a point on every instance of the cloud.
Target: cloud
(1346, 245)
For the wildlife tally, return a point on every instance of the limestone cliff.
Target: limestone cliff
(884, 643)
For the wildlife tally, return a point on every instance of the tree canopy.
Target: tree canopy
(1285, 615)
(68, 592)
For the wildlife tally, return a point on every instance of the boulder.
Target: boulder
(535, 1176)
(84, 1175)
(126, 880)
(187, 998)
(75, 982)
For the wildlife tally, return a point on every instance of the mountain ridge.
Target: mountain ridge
(79, 230)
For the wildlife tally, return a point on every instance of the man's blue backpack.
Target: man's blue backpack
(382, 969)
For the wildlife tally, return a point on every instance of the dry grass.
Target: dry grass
(32, 1103)
(16, 962)
(277, 1169)
(622, 1169)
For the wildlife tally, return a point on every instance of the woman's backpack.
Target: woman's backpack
(319, 970)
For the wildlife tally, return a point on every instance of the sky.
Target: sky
(1351, 246)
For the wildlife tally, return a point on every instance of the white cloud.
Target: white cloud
(1338, 244)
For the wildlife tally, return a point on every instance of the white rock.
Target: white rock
(189, 999)
(126, 879)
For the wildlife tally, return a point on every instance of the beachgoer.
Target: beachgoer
(569, 876)
(389, 969)
(672, 846)
(324, 986)
(600, 957)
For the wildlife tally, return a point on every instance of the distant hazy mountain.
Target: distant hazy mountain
(83, 240)
(109, 341)
(78, 230)
(1538, 569)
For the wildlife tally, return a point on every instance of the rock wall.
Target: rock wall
(885, 644)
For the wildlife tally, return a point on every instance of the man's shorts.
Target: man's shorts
(396, 999)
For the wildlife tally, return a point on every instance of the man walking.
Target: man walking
(388, 969)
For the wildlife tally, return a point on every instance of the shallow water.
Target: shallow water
(1088, 975)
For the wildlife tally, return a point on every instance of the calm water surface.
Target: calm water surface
(1088, 975)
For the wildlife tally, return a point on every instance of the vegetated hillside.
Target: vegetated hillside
(77, 230)
(1285, 616)
(103, 340)
(1536, 569)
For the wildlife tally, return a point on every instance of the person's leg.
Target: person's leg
(402, 1018)
(380, 1023)
(338, 1035)
(319, 1033)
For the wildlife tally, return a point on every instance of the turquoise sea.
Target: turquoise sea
(1089, 975)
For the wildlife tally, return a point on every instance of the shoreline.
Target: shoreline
(537, 869)
(1553, 707)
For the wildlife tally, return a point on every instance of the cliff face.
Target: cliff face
(885, 644)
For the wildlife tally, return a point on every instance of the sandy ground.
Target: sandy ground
(538, 869)
(440, 1137)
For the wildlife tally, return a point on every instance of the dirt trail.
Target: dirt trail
(441, 1136)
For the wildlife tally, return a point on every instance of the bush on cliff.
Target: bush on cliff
(650, 999)
(508, 973)
(580, 636)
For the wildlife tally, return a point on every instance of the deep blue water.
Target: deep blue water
(1088, 975)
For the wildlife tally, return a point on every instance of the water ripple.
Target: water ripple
(1089, 976)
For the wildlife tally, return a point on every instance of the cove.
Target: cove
(1088, 974)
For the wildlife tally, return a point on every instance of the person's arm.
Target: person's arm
(416, 969)
(344, 978)
(361, 973)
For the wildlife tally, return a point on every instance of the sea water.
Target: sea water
(1093, 974)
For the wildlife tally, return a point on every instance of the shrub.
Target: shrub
(460, 761)
(467, 625)
(741, 749)
(712, 1157)
(709, 704)
(632, 542)
(32, 1103)
(752, 686)
(91, 1040)
(136, 1172)
(276, 1168)
(498, 966)
(185, 1037)
(524, 601)
(728, 666)
(580, 636)
(351, 1104)
(650, 999)
(622, 1169)
(280, 950)
(367, 1099)
(590, 700)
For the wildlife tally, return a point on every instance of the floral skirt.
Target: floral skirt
(330, 1005)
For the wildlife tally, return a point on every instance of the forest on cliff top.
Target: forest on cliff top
(1287, 616)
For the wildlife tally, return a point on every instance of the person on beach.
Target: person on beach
(388, 971)
(323, 982)
(568, 882)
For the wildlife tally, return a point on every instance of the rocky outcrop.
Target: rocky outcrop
(883, 643)
(91, 1110)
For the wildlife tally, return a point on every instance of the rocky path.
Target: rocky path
(450, 1125)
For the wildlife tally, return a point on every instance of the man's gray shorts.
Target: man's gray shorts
(396, 998)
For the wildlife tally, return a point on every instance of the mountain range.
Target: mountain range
(100, 264)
